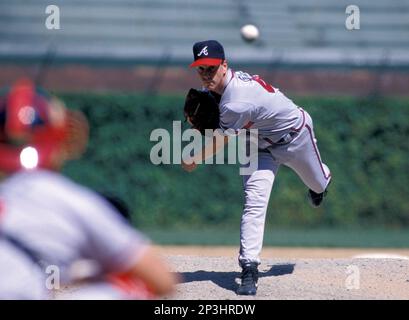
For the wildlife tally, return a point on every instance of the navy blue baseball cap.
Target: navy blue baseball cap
(209, 53)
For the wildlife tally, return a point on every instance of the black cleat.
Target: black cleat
(316, 198)
(249, 278)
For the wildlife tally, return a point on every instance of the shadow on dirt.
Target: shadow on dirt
(227, 280)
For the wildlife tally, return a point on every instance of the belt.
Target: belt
(287, 138)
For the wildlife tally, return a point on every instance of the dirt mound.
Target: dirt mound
(205, 277)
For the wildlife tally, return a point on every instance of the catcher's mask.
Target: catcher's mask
(37, 131)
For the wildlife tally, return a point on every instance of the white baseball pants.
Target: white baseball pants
(301, 155)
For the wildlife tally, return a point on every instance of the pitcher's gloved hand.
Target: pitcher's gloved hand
(201, 110)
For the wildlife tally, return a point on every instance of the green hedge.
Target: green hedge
(363, 141)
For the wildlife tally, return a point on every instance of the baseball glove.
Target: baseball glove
(201, 110)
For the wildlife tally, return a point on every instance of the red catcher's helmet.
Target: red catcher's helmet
(37, 131)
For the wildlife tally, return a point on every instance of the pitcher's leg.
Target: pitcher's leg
(257, 189)
(306, 160)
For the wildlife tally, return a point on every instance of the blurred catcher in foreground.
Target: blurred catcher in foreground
(58, 224)
(37, 131)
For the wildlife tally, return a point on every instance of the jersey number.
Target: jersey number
(264, 84)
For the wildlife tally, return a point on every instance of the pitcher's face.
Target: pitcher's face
(212, 77)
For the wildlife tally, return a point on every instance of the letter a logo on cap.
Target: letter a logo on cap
(209, 53)
(204, 51)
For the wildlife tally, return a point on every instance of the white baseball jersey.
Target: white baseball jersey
(20, 277)
(285, 137)
(249, 102)
(62, 222)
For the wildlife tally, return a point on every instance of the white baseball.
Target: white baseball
(249, 32)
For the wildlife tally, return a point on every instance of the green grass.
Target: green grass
(370, 238)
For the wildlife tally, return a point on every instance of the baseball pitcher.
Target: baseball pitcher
(285, 137)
